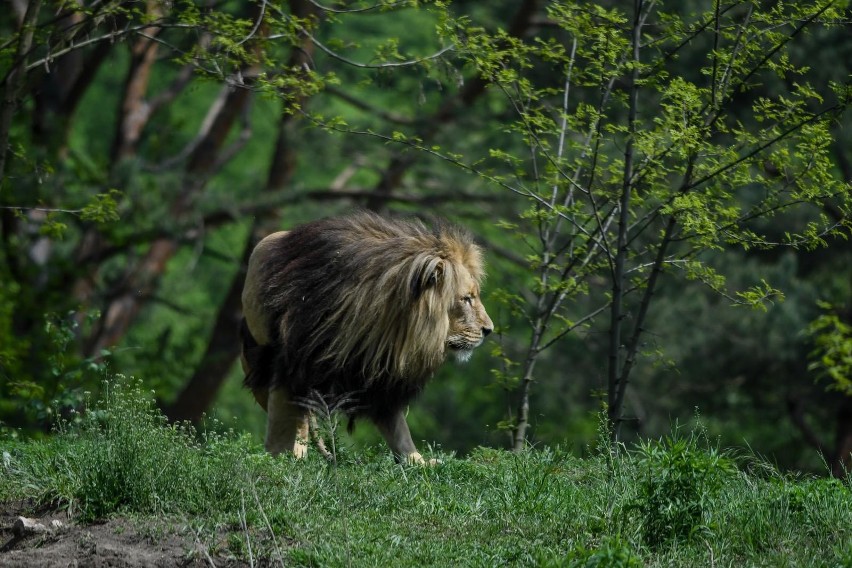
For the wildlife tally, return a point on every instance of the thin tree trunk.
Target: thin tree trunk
(135, 110)
(618, 277)
(543, 314)
(633, 345)
(522, 419)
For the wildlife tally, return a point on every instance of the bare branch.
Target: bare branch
(111, 36)
(203, 131)
(358, 103)
(41, 209)
(359, 10)
(386, 65)
(257, 23)
(436, 153)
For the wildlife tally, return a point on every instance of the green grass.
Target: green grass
(674, 502)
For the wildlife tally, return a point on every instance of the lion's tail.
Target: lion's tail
(259, 359)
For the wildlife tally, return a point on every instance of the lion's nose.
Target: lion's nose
(486, 331)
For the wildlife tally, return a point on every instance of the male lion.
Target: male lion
(359, 307)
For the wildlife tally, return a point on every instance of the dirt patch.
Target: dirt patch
(117, 542)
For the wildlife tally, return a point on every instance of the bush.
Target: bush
(611, 553)
(121, 454)
(680, 481)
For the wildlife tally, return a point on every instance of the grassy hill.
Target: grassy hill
(123, 475)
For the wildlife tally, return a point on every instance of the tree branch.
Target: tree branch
(358, 103)
(15, 80)
(386, 65)
(399, 164)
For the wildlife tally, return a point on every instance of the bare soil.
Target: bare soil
(117, 542)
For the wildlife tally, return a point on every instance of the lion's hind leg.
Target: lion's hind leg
(287, 425)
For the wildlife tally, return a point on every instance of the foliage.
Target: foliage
(623, 184)
(66, 376)
(612, 553)
(742, 368)
(832, 353)
(544, 507)
(678, 483)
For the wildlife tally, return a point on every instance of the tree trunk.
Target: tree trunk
(842, 458)
(522, 418)
(616, 379)
(135, 110)
(222, 350)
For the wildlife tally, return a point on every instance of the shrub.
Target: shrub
(611, 553)
(680, 480)
(121, 454)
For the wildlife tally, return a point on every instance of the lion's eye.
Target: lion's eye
(468, 300)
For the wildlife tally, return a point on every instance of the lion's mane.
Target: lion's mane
(358, 306)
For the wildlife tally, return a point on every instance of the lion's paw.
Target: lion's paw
(414, 458)
(300, 450)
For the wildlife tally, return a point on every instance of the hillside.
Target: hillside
(131, 490)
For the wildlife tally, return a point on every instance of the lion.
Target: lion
(359, 307)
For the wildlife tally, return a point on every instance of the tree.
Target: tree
(636, 166)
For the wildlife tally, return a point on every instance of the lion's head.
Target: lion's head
(469, 322)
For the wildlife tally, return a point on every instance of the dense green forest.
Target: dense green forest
(662, 189)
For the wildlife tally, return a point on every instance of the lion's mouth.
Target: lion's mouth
(460, 344)
(462, 350)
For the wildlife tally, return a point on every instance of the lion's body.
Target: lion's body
(358, 307)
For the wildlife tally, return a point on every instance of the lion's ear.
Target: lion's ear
(427, 273)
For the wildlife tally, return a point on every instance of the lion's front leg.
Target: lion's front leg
(394, 429)
(286, 425)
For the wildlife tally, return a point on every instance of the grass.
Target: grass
(673, 502)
